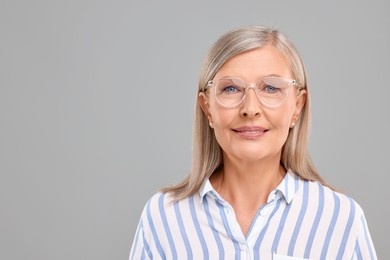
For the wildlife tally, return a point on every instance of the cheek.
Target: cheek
(221, 117)
(280, 119)
(281, 129)
(222, 120)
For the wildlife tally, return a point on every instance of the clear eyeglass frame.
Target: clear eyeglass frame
(282, 85)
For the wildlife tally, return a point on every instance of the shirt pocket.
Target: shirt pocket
(285, 257)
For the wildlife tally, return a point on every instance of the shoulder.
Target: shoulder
(160, 205)
(330, 198)
(344, 203)
(163, 217)
(337, 209)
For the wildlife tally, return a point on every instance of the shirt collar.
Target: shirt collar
(288, 187)
(205, 188)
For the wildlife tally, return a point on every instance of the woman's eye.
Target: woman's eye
(271, 89)
(231, 89)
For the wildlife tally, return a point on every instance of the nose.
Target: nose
(250, 106)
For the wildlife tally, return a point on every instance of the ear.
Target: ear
(300, 102)
(204, 104)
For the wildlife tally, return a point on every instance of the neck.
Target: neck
(248, 182)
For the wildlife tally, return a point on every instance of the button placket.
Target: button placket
(243, 247)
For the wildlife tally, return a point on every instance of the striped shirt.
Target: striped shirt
(301, 220)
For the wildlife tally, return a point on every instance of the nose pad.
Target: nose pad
(251, 106)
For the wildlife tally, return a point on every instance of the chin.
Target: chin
(251, 156)
(253, 153)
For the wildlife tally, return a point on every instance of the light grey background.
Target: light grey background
(96, 106)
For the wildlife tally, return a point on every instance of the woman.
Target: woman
(253, 192)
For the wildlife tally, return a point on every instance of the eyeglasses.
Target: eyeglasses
(271, 91)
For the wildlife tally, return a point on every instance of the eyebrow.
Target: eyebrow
(273, 75)
(266, 76)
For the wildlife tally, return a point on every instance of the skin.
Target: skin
(251, 162)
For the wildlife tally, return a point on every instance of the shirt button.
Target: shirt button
(243, 247)
(228, 211)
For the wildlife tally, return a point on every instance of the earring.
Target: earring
(210, 122)
(292, 125)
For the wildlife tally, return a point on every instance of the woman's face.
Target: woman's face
(251, 131)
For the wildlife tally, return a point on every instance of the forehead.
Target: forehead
(255, 64)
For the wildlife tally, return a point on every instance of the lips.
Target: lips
(250, 132)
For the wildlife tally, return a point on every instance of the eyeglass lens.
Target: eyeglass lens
(270, 91)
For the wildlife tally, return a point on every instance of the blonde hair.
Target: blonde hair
(207, 154)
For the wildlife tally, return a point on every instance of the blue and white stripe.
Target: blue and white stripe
(301, 219)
